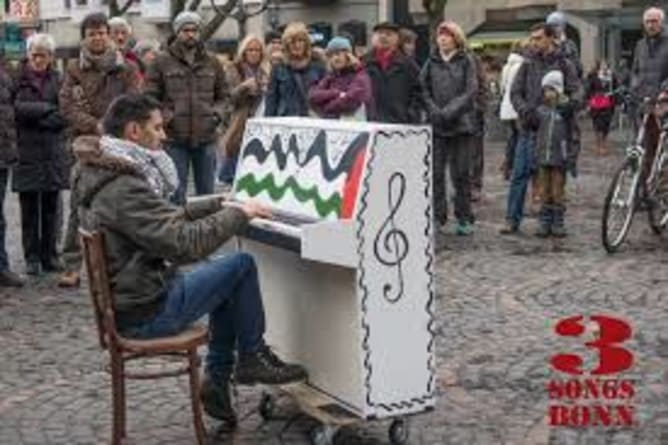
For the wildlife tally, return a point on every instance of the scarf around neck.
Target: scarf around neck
(106, 61)
(156, 166)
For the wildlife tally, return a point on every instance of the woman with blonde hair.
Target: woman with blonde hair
(450, 87)
(247, 77)
(345, 92)
(292, 78)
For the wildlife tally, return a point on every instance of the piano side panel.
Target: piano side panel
(312, 317)
(395, 270)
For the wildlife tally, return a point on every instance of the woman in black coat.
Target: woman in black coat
(42, 169)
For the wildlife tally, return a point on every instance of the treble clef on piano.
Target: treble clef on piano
(391, 244)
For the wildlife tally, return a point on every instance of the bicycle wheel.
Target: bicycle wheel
(620, 203)
(658, 210)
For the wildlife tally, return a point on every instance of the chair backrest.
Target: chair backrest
(99, 286)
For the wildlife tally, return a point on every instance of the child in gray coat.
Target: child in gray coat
(555, 155)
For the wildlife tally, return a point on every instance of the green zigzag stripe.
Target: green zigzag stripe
(249, 184)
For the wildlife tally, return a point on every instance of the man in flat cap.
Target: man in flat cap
(190, 84)
(394, 78)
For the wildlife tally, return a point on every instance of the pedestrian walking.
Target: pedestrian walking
(292, 78)
(450, 85)
(345, 92)
(90, 84)
(600, 87)
(555, 156)
(394, 77)
(526, 96)
(43, 165)
(248, 77)
(191, 85)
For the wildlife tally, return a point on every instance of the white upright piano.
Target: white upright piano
(346, 265)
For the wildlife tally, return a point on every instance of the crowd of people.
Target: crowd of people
(206, 103)
(123, 127)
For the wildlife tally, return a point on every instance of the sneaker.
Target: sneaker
(509, 229)
(10, 279)
(69, 279)
(33, 268)
(216, 400)
(265, 367)
(53, 264)
(463, 229)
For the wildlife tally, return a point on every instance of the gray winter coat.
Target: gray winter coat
(450, 90)
(526, 93)
(650, 66)
(552, 147)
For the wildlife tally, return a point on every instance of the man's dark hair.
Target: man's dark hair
(128, 108)
(271, 36)
(547, 29)
(93, 21)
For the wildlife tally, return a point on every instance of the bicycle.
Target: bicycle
(624, 192)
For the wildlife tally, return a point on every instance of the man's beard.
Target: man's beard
(190, 43)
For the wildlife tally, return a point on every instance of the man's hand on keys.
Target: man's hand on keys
(252, 209)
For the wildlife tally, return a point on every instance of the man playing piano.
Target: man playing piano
(126, 184)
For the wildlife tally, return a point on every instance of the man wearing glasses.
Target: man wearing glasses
(190, 84)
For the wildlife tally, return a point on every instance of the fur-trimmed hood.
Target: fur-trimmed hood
(88, 151)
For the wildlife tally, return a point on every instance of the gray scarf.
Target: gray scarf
(155, 165)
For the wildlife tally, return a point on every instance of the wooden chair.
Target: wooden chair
(121, 349)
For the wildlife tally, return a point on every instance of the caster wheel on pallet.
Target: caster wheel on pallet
(267, 406)
(398, 432)
(322, 435)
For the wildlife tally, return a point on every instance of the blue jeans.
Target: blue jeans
(4, 259)
(227, 289)
(523, 168)
(203, 160)
(227, 170)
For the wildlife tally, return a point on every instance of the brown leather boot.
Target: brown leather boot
(69, 279)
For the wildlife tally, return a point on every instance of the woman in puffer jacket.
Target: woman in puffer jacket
(450, 87)
(345, 92)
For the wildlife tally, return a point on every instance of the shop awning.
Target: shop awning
(485, 38)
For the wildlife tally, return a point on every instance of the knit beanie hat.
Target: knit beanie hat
(554, 80)
(338, 44)
(556, 18)
(186, 18)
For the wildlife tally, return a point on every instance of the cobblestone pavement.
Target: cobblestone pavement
(498, 299)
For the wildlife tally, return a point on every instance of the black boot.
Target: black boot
(265, 367)
(558, 229)
(53, 264)
(33, 268)
(10, 279)
(545, 221)
(216, 400)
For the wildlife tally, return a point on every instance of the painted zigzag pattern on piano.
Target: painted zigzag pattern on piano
(324, 206)
(318, 149)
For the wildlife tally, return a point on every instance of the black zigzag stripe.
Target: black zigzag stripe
(429, 253)
(318, 149)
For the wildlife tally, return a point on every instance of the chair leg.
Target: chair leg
(118, 399)
(194, 365)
